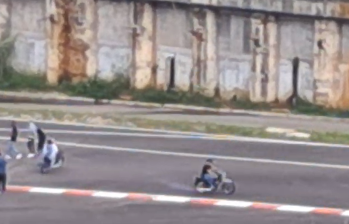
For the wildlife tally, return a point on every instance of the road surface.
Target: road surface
(264, 172)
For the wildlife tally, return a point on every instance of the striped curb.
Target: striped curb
(182, 200)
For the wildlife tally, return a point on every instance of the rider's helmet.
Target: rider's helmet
(210, 161)
(50, 141)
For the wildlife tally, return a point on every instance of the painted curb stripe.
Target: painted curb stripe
(183, 200)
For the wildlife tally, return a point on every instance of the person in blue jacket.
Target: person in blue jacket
(3, 173)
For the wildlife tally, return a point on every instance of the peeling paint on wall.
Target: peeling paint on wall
(144, 45)
(326, 61)
(211, 76)
(259, 77)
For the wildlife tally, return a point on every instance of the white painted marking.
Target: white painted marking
(233, 138)
(193, 155)
(295, 208)
(105, 194)
(238, 204)
(176, 199)
(47, 190)
(279, 130)
(298, 135)
(345, 213)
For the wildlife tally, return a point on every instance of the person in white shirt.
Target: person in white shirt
(49, 152)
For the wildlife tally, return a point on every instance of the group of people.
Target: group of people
(45, 147)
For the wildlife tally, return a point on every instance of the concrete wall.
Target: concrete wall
(236, 48)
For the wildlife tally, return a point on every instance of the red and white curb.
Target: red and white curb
(182, 200)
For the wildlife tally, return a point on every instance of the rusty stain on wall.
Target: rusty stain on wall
(71, 32)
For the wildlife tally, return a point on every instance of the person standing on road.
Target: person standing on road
(31, 147)
(3, 174)
(11, 148)
(41, 136)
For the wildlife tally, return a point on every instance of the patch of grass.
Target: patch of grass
(14, 81)
(248, 105)
(174, 97)
(96, 88)
(330, 137)
(307, 108)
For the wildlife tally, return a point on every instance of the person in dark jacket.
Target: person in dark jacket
(11, 148)
(3, 174)
(41, 136)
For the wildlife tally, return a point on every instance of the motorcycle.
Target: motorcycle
(45, 166)
(222, 182)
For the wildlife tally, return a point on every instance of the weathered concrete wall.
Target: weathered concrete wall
(234, 55)
(242, 48)
(173, 39)
(27, 22)
(114, 38)
(296, 41)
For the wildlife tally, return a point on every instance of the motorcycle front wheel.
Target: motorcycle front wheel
(229, 188)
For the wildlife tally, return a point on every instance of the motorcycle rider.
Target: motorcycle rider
(208, 169)
(50, 152)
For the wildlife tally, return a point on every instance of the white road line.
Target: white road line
(237, 204)
(292, 208)
(175, 199)
(104, 194)
(233, 138)
(46, 190)
(195, 155)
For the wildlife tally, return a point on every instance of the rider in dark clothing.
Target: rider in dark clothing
(41, 139)
(206, 173)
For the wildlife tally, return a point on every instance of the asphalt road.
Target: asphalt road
(275, 173)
